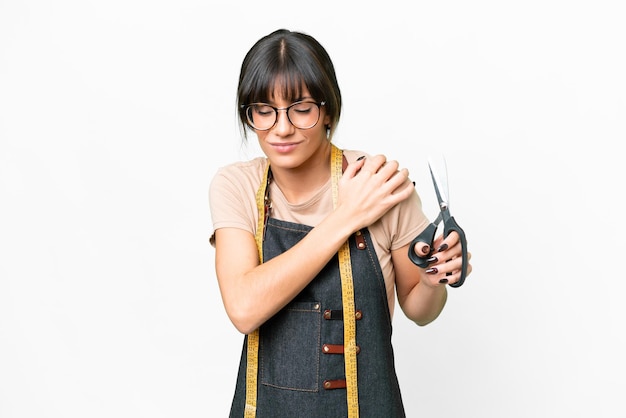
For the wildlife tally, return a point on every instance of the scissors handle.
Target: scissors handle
(450, 225)
(427, 236)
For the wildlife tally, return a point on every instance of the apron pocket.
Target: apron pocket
(289, 348)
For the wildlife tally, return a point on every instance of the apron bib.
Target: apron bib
(301, 371)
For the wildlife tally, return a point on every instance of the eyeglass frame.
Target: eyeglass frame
(286, 109)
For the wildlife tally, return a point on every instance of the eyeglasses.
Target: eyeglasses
(302, 115)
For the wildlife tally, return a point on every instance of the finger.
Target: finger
(451, 278)
(353, 168)
(439, 275)
(453, 268)
(455, 276)
(374, 163)
(422, 249)
(389, 169)
(447, 254)
(398, 179)
(447, 261)
(448, 242)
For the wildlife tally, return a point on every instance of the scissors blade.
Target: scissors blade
(438, 220)
(439, 173)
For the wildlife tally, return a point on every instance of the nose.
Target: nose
(283, 125)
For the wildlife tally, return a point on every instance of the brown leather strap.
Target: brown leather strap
(334, 314)
(360, 240)
(335, 384)
(336, 349)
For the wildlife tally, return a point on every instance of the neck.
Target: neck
(298, 184)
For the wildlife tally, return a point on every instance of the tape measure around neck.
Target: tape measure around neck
(252, 353)
(347, 297)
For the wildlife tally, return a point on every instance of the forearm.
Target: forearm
(424, 303)
(254, 295)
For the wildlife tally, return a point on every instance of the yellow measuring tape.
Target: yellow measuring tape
(252, 362)
(347, 297)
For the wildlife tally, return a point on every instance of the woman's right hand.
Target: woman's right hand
(370, 187)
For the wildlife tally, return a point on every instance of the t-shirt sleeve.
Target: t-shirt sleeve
(232, 200)
(411, 220)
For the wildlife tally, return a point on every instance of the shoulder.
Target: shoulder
(241, 175)
(232, 195)
(232, 191)
(243, 169)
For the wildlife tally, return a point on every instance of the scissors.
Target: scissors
(449, 224)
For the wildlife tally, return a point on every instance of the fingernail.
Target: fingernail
(426, 249)
(432, 270)
(360, 158)
(443, 281)
(443, 247)
(432, 259)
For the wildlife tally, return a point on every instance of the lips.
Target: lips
(284, 147)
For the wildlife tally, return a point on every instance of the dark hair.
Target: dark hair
(288, 60)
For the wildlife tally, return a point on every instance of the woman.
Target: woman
(333, 230)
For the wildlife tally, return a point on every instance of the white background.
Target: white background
(114, 116)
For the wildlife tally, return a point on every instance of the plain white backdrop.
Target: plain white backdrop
(115, 115)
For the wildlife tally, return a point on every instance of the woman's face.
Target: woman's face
(290, 147)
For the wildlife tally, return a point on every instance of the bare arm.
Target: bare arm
(253, 292)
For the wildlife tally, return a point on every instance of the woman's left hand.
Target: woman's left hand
(445, 260)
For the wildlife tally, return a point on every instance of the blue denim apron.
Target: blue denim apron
(301, 366)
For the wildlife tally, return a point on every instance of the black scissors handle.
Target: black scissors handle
(450, 225)
(427, 236)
